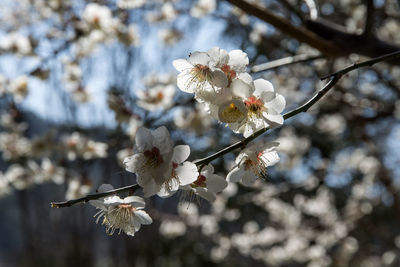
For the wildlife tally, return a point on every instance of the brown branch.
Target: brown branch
(69, 203)
(367, 63)
(369, 21)
(301, 34)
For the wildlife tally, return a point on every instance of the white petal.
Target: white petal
(168, 189)
(218, 78)
(135, 201)
(241, 89)
(184, 83)
(182, 65)
(136, 223)
(238, 60)
(271, 158)
(277, 104)
(235, 175)
(181, 153)
(98, 204)
(216, 183)
(209, 196)
(274, 120)
(134, 162)
(245, 77)
(262, 85)
(248, 178)
(187, 173)
(113, 200)
(150, 188)
(143, 139)
(143, 217)
(199, 58)
(207, 170)
(218, 56)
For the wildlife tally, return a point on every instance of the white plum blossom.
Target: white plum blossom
(152, 159)
(157, 97)
(182, 173)
(203, 8)
(263, 106)
(19, 88)
(197, 73)
(130, 4)
(169, 36)
(197, 120)
(232, 64)
(207, 184)
(252, 163)
(123, 214)
(16, 42)
(99, 17)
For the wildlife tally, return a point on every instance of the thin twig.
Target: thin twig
(367, 63)
(69, 203)
(284, 62)
(334, 78)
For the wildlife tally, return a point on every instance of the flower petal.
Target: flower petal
(209, 196)
(181, 153)
(135, 201)
(143, 139)
(241, 89)
(238, 60)
(248, 178)
(218, 78)
(187, 173)
(182, 65)
(235, 175)
(143, 217)
(216, 183)
(201, 58)
(277, 104)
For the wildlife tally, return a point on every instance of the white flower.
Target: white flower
(172, 229)
(99, 16)
(123, 214)
(262, 104)
(19, 88)
(152, 159)
(193, 120)
(252, 163)
(157, 97)
(232, 63)
(182, 173)
(169, 36)
(130, 4)
(203, 8)
(207, 184)
(16, 42)
(198, 74)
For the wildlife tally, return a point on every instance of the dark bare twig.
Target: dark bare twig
(69, 203)
(367, 63)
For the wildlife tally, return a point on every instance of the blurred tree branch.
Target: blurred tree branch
(329, 38)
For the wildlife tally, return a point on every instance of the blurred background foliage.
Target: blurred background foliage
(77, 78)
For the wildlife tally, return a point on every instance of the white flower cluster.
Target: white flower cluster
(219, 81)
